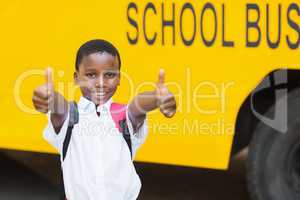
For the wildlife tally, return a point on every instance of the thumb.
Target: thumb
(161, 77)
(49, 80)
(161, 88)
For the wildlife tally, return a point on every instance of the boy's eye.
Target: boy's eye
(110, 75)
(91, 75)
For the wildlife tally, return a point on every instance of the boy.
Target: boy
(98, 163)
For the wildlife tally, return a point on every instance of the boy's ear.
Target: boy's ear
(75, 77)
(119, 78)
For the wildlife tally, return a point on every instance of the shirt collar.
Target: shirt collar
(89, 106)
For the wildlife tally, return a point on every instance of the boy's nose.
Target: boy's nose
(100, 82)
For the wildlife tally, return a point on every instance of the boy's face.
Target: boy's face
(98, 76)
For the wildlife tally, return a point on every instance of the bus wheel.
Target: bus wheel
(273, 166)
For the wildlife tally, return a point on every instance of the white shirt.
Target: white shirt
(98, 164)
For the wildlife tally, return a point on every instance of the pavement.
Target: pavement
(19, 183)
(30, 176)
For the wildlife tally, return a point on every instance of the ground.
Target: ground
(160, 182)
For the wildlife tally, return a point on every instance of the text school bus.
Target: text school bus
(232, 65)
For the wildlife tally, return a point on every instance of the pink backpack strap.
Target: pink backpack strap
(118, 113)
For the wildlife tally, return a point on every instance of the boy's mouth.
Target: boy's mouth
(100, 94)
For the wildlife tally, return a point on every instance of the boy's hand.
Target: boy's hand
(166, 100)
(46, 99)
(145, 102)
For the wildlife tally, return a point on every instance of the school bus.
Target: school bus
(232, 65)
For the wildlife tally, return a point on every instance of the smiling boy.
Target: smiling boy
(99, 164)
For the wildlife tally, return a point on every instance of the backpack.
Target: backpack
(118, 114)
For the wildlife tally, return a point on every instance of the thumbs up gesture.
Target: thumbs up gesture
(46, 99)
(165, 99)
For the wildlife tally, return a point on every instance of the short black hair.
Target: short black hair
(94, 46)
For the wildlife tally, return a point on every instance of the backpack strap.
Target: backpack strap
(126, 135)
(73, 119)
(118, 113)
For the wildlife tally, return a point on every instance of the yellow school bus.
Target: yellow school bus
(232, 65)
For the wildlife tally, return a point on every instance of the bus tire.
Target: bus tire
(273, 165)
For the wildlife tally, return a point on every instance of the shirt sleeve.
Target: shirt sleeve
(138, 137)
(53, 138)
